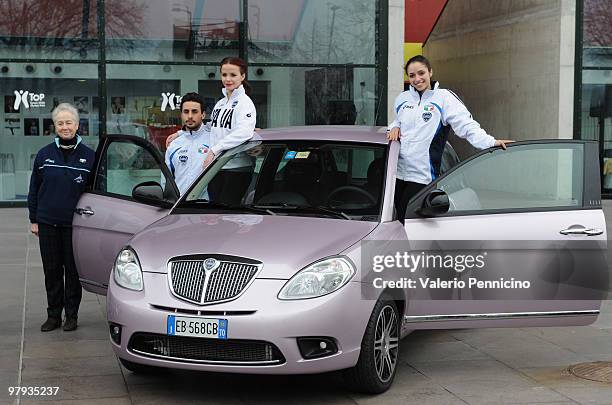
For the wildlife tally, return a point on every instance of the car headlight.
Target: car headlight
(127, 270)
(318, 279)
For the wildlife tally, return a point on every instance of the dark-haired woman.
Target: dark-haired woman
(232, 122)
(424, 115)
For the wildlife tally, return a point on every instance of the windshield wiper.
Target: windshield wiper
(224, 205)
(303, 208)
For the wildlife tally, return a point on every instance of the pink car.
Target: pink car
(260, 266)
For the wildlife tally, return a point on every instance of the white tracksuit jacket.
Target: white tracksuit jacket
(185, 156)
(232, 123)
(424, 122)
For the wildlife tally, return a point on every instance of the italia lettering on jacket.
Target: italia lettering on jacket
(222, 120)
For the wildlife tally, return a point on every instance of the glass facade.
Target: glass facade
(125, 63)
(594, 113)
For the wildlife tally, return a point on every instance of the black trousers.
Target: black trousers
(229, 186)
(404, 191)
(61, 276)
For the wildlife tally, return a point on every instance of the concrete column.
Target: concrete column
(567, 35)
(395, 80)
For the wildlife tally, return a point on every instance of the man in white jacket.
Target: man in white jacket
(232, 123)
(186, 154)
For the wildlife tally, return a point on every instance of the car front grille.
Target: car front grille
(203, 350)
(192, 282)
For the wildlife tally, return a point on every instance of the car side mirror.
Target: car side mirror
(435, 203)
(149, 192)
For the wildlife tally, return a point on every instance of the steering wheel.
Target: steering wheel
(354, 189)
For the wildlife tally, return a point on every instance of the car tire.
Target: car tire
(378, 359)
(140, 368)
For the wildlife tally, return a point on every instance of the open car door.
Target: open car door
(535, 209)
(113, 210)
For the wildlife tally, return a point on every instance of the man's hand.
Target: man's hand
(502, 142)
(209, 159)
(34, 229)
(171, 138)
(394, 134)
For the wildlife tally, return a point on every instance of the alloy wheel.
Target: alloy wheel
(386, 343)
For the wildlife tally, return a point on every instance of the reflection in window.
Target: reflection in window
(125, 165)
(176, 30)
(597, 35)
(521, 177)
(312, 31)
(63, 29)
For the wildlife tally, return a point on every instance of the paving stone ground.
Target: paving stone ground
(469, 366)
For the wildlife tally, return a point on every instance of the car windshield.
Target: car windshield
(299, 178)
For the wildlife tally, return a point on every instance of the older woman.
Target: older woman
(60, 173)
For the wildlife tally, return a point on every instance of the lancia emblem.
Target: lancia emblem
(210, 264)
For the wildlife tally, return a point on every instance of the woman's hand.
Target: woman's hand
(209, 159)
(394, 134)
(502, 142)
(34, 229)
(171, 138)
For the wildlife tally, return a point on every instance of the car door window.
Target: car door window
(524, 176)
(124, 165)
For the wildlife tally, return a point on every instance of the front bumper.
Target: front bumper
(257, 315)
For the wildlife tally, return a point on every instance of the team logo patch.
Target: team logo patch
(235, 103)
(426, 116)
(79, 179)
(203, 149)
(183, 158)
(82, 160)
(429, 108)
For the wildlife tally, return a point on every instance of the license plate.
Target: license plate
(198, 327)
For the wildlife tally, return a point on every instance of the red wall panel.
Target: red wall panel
(421, 15)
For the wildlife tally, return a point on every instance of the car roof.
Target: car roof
(347, 133)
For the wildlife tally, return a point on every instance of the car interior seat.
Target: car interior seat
(375, 177)
(302, 176)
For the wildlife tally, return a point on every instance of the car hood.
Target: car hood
(284, 244)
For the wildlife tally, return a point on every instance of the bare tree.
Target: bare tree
(69, 19)
(597, 23)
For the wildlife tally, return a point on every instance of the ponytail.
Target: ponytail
(247, 87)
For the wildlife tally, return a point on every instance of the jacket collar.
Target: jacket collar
(238, 92)
(79, 139)
(434, 86)
(198, 131)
